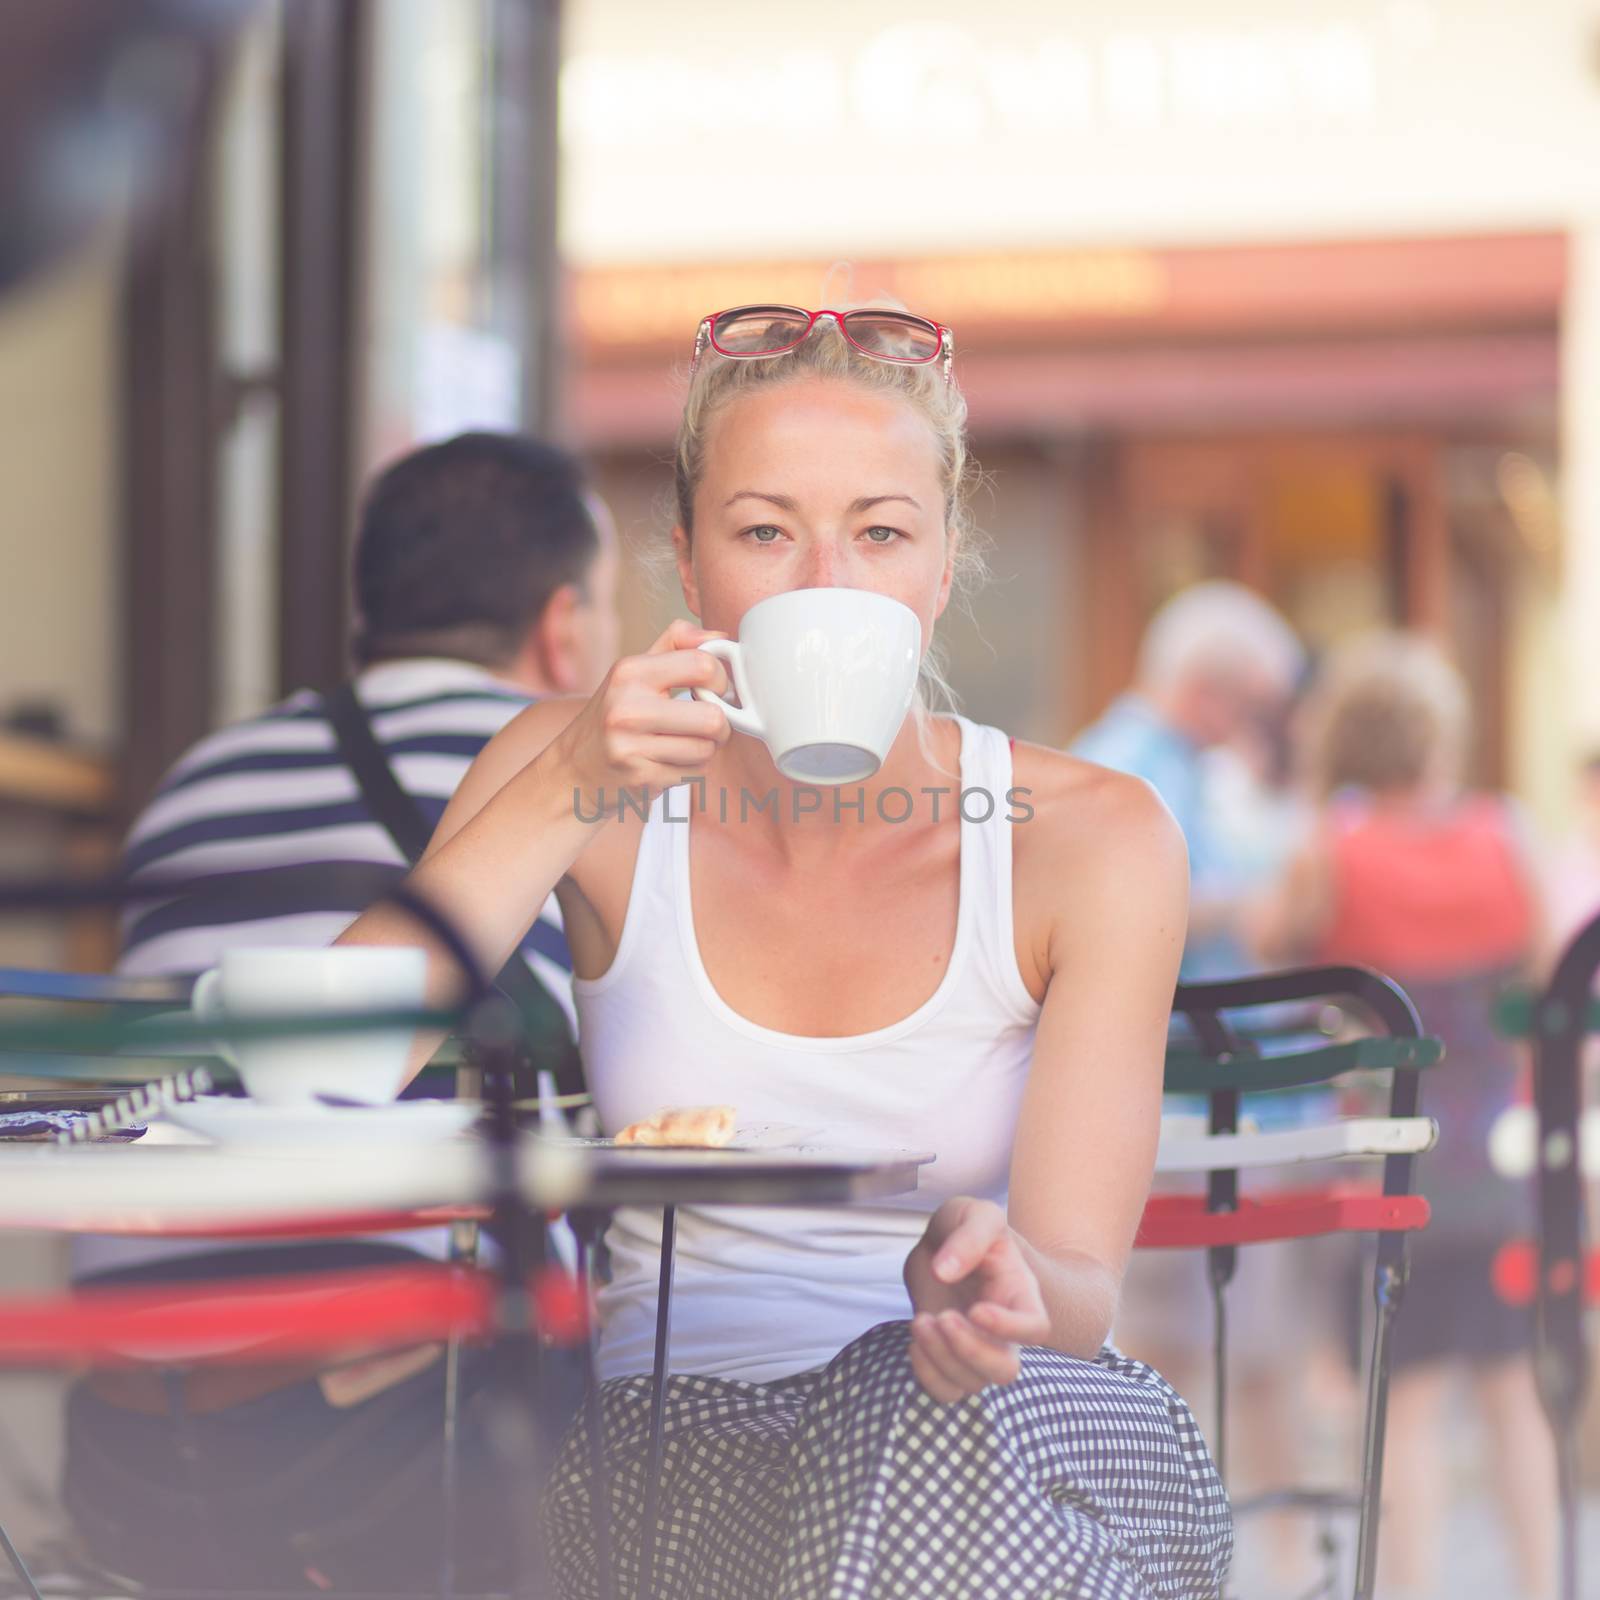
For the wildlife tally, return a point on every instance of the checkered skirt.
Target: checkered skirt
(1082, 1479)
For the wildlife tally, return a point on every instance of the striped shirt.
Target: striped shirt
(267, 813)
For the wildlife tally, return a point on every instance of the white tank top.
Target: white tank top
(761, 1293)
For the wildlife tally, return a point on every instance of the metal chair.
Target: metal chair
(1227, 1062)
(1556, 1271)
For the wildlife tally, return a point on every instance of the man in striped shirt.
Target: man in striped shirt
(484, 577)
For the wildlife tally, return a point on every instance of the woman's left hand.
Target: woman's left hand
(976, 1300)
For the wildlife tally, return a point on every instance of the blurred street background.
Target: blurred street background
(1302, 297)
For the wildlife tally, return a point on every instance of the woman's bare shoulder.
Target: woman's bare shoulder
(1093, 850)
(1075, 792)
(1088, 816)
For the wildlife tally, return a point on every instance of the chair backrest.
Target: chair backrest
(1227, 1059)
(1560, 1021)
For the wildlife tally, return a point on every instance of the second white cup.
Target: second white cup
(254, 983)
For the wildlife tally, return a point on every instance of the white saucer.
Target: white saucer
(230, 1120)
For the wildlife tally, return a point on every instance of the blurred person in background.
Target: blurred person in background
(1434, 886)
(1572, 876)
(1257, 813)
(1215, 662)
(1217, 673)
(484, 578)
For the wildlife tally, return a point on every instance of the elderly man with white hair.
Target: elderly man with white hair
(1215, 661)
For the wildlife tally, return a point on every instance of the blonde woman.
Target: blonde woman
(914, 1398)
(1433, 885)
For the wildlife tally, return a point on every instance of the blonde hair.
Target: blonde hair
(1388, 713)
(825, 353)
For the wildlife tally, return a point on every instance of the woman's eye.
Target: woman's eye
(883, 535)
(766, 534)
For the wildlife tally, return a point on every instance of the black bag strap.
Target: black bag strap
(549, 1033)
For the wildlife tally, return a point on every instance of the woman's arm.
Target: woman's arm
(1111, 869)
(1091, 1113)
(506, 838)
(515, 825)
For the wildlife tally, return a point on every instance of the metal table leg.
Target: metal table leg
(658, 1405)
(584, 1231)
(15, 1558)
(450, 1471)
(463, 1252)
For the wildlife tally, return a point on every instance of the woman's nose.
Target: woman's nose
(821, 566)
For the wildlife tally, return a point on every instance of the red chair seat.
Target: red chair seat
(1182, 1222)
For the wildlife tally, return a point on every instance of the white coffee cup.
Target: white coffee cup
(825, 678)
(256, 983)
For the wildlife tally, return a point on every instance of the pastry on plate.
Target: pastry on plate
(701, 1126)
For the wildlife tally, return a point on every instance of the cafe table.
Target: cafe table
(153, 1186)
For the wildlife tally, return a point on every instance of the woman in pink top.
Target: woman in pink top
(1434, 887)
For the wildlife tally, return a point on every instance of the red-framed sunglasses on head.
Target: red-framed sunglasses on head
(747, 332)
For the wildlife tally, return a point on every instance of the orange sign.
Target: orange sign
(1333, 286)
(618, 308)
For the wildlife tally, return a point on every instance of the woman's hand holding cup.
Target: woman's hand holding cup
(633, 734)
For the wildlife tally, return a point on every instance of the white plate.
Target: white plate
(230, 1120)
(747, 1136)
(750, 1143)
